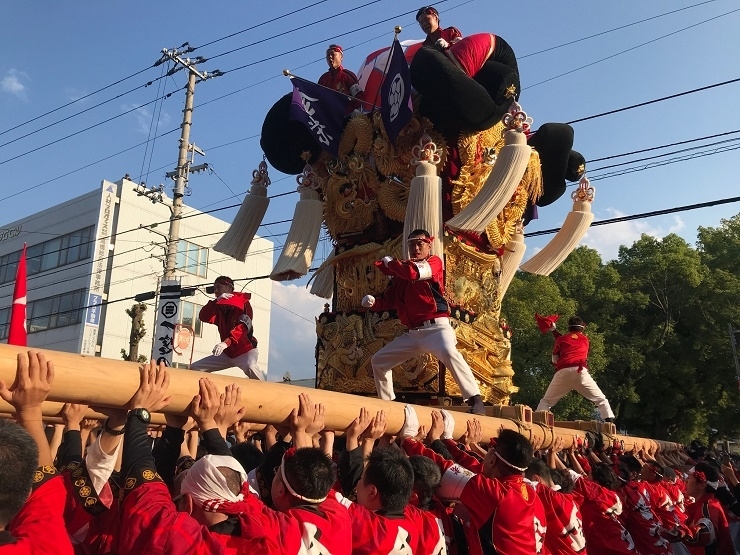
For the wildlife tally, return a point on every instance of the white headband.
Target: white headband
(292, 491)
(507, 463)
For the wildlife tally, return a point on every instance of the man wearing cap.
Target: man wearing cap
(338, 78)
(231, 312)
(570, 357)
(416, 292)
(442, 38)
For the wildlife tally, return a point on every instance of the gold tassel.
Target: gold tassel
(303, 236)
(237, 239)
(566, 240)
(532, 180)
(322, 281)
(424, 206)
(513, 254)
(508, 170)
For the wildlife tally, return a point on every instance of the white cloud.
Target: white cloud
(293, 331)
(13, 83)
(74, 94)
(144, 117)
(608, 238)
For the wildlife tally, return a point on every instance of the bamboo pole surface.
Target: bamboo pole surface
(106, 382)
(53, 409)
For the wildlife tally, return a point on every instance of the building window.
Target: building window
(60, 251)
(55, 312)
(4, 322)
(189, 317)
(191, 258)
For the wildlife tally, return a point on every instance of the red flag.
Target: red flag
(17, 332)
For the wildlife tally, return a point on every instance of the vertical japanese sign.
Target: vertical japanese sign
(96, 289)
(168, 308)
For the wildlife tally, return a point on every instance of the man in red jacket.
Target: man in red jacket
(232, 314)
(439, 37)
(570, 357)
(416, 292)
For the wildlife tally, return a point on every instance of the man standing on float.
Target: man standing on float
(416, 292)
(231, 312)
(570, 357)
(442, 38)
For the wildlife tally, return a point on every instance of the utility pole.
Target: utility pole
(170, 290)
(183, 166)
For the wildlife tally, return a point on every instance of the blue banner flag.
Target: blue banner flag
(395, 93)
(321, 110)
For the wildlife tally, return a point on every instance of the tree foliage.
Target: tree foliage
(657, 318)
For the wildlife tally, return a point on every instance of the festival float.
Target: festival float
(465, 163)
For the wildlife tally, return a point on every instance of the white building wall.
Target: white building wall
(135, 266)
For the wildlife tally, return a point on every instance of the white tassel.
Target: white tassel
(508, 170)
(322, 282)
(513, 253)
(237, 239)
(567, 238)
(303, 236)
(424, 207)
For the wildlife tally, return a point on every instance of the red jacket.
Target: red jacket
(374, 533)
(642, 522)
(571, 349)
(413, 293)
(601, 509)
(564, 522)
(39, 526)
(709, 530)
(228, 314)
(450, 34)
(305, 529)
(506, 512)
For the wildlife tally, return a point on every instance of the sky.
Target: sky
(56, 54)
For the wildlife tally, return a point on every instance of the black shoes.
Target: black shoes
(476, 405)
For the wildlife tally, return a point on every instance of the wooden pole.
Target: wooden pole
(53, 410)
(106, 382)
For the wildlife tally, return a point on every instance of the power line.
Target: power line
(81, 112)
(85, 166)
(260, 24)
(645, 215)
(613, 29)
(657, 164)
(75, 101)
(664, 146)
(666, 154)
(630, 49)
(324, 41)
(299, 28)
(83, 130)
(661, 99)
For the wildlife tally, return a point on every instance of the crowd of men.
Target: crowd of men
(208, 483)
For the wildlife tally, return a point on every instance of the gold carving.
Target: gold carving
(365, 192)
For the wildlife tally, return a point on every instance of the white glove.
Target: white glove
(219, 348)
(410, 423)
(368, 301)
(449, 424)
(224, 296)
(442, 44)
(553, 327)
(355, 89)
(247, 321)
(386, 259)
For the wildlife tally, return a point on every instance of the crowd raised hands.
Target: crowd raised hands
(209, 482)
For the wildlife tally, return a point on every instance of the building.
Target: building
(108, 245)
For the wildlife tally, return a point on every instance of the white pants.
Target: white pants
(247, 362)
(567, 379)
(439, 340)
